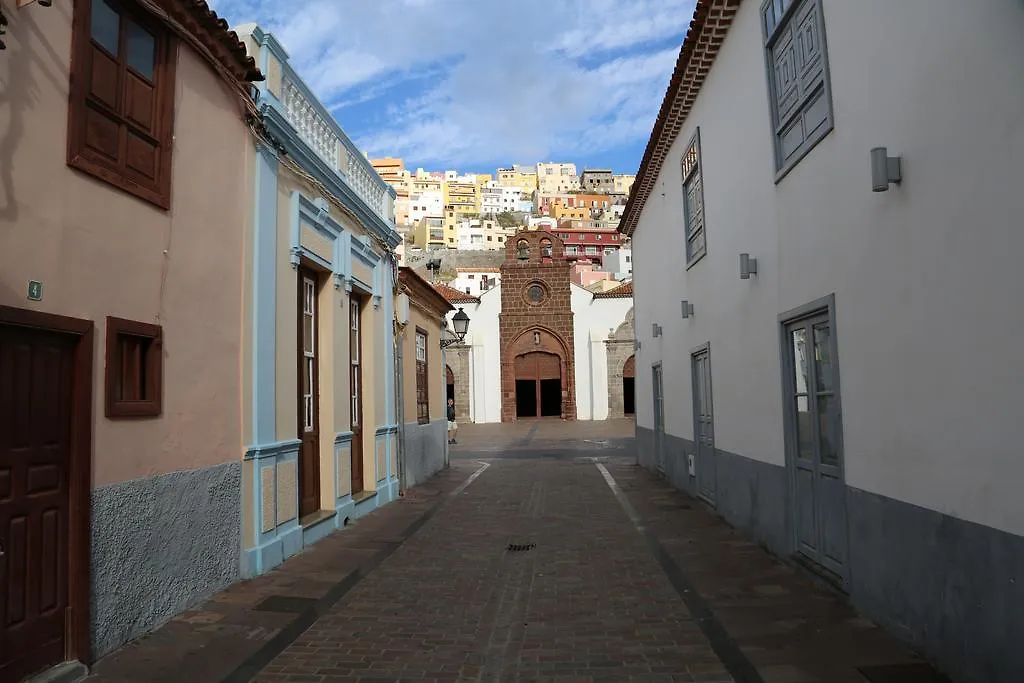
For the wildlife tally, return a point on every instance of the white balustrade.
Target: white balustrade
(319, 134)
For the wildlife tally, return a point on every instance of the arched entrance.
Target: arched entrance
(628, 387)
(538, 385)
(449, 383)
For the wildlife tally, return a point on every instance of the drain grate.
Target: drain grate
(285, 603)
(520, 547)
(917, 672)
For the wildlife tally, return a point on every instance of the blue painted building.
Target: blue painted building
(319, 408)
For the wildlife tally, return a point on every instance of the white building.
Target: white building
(475, 281)
(427, 203)
(619, 262)
(902, 484)
(495, 199)
(596, 317)
(543, 223)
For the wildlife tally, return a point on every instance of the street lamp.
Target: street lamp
(460, 321)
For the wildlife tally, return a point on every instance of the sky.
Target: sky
(472, 85)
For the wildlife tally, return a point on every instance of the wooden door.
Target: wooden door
(538, 367)
(36, 383)
(815, 444)
(309, 399)
(356, 390)
(704, 424)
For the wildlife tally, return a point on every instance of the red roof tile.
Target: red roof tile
(454, 296)
(623, 291)
(710, 23)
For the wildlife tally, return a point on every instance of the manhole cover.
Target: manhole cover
(520, 547)
(285, 603)
(918, 672)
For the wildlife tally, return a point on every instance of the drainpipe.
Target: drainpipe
(399, 336)
(444, 364)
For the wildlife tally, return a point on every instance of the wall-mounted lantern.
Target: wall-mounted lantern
(655, 330)
(460, 321)
(748, 266)
(884, 169)
(687, 309)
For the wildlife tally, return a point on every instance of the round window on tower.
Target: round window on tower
(536, 293)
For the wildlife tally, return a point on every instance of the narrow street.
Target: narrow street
(541, 554)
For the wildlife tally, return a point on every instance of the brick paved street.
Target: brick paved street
(613, 576)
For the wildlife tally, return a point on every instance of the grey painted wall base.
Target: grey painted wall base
(159, 546)
(424, 450)
(951, 589)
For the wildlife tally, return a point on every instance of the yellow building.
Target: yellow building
(463, 196)
(623, 182)
(429, 233)
(423, 424)
(526, 180)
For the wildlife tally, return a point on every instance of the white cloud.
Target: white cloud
(484, 82)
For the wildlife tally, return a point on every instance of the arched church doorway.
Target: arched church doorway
(538, 376)
(449, 383)
(628, 388)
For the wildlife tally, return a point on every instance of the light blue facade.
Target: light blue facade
(272, 461)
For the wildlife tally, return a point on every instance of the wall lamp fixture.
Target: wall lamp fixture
(748, 266)
(884, 169)
(687, 309)
(655, 330)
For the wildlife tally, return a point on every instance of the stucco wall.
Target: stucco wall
(99, 251)
(821, 230)
(159, 546)
(484, 356)
(593, 320)
(424, 450)
(925, 285)
(435, 366)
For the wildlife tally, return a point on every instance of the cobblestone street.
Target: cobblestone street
(532, 558)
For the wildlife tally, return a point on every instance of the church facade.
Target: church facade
(540, 346)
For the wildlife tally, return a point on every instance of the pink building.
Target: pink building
(124, 176)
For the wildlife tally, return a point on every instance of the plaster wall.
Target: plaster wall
(593, 319)
(99, 251)
(484, 356)
(821, 230)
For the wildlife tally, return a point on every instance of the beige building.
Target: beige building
(119, 310)
(420, 318)
(556, 178)
(525, 178)
(319, 419)
(623, 183)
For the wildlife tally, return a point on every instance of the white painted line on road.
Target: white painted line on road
(631, 512)
(462, 487)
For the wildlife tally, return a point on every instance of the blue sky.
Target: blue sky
(476, 84)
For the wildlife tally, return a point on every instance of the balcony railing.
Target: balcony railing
(321, 132)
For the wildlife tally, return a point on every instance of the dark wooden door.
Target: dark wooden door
(36, 374)
(309, 400)
(355, 351)
(540, 368)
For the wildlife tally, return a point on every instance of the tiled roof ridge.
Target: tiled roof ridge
(710, 23)
(454, 296)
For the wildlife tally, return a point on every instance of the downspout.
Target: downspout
(399, 337)
(444, 364)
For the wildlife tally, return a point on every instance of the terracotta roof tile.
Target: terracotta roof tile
(710, 23)
(454, 296)
(216, 35)
(623, 291)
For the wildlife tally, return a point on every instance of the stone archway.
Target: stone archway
(537, 377)
(457, 380)
(620, 347)
(628, 386)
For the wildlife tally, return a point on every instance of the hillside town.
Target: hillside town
(278, 407)
(446, 210)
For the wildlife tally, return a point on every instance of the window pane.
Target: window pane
(804, 429)
(105, 25)
(307, 333)
(798, 341)
(141, 50)
(823, 356)
(827, 426)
